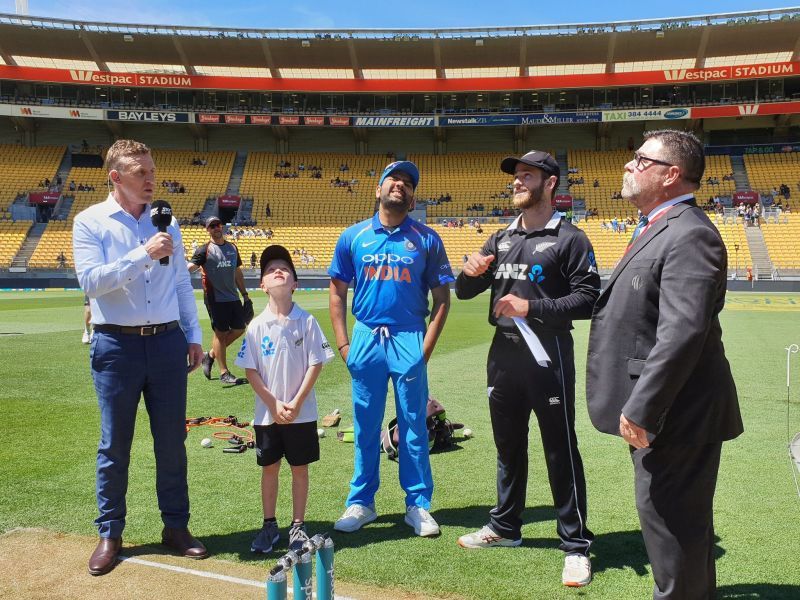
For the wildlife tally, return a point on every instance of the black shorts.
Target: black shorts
(298, 442)
(225, 315)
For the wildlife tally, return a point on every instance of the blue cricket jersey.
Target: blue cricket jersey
(393, 272)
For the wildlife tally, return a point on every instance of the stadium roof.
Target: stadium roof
(696, 37)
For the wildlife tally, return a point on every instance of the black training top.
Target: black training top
(554, 268)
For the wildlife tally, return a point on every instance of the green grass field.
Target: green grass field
(49, 430)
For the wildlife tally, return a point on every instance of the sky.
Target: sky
(344, 14)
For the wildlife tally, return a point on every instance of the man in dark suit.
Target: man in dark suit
(656, 371)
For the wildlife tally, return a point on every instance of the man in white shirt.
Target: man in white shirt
(145, 327)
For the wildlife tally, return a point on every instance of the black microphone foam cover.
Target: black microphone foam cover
(161, 214)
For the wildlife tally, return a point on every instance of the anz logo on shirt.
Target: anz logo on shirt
(224, 264)
(510, 271)
(267, 347)
(519, 271)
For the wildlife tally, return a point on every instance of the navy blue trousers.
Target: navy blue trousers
(126, 368)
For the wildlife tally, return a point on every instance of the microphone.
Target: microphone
(161, 216)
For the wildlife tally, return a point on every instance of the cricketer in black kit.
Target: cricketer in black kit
(541, 269)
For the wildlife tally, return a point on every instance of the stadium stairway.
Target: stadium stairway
(63, 207)
(64, 168)
(762, 265)
(237, 172)
(245, 212)
(209, 208)
(26, 251)
(561, 158)
(740, 174)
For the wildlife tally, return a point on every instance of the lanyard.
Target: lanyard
(649, 223)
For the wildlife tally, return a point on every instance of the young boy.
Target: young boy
(282, 353)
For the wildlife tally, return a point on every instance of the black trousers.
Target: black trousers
(517, 386)
(674, 497)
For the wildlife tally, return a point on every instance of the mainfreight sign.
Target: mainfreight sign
(647, 114)
(393, 122)
(147, 116)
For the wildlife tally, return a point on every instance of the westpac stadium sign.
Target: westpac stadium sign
(139, 79)
(534, 82)
(723, 73)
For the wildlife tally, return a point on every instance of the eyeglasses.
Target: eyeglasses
(639, 158)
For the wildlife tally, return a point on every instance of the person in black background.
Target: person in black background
(542, 274)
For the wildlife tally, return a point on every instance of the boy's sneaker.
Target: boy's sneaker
(422, 521)
(577, 570)
(207, 363)
(354, 518)
(266, 538)
(228, 377)
(297, 536)
(86, 337)
(486, 538)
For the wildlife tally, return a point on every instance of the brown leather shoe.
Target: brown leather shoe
(183, 543)
(105, 555)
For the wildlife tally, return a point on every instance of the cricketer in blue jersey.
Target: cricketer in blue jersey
(394, 262)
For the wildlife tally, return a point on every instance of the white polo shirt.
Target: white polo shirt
(282, 353)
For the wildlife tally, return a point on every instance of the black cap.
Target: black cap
(274, 252)
(211, 220)
(534, 158)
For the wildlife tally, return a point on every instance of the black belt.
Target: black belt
(137, 329)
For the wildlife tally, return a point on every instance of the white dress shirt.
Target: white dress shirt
(124, 285)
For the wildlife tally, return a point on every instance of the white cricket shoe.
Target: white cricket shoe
(422, 521)
(354, 518)
(577, 571)
(485, 537)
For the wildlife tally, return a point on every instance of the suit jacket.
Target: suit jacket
(655, 344)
